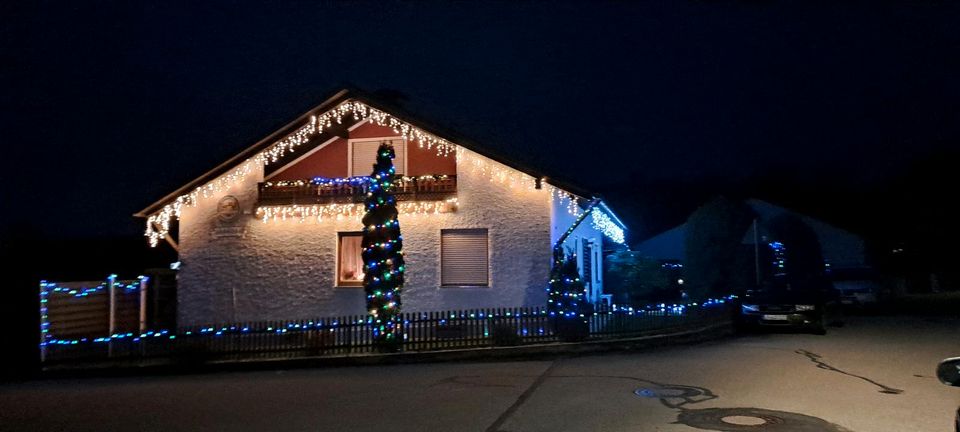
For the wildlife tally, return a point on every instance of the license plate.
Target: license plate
(775, 317)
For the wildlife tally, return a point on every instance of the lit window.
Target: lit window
(349, 261)
(365, 155)
(464, 259)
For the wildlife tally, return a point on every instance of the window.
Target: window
(349, 262)
(464, 259)
(364, 155)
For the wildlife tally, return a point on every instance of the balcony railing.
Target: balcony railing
(354, 189)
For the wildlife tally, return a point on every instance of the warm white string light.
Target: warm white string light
(495, 171)
(301, 213)
(356, 180)
(566, 198)
(158, 224)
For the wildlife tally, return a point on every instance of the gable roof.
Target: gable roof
(335, 100)
(841, 248)
(668, 245)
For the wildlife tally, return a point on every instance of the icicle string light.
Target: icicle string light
(353, 181)
(301, 213)
(601, 222)
(495, 171)
(566, 198)
(158, 224)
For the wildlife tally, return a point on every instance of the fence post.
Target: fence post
(112, 326)
(143, 303)
(44, 322)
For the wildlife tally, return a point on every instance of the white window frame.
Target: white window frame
(440, 261)
(336, 272)
(406, 155)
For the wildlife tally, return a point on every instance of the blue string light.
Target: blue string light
(779, 258)
(48, 288)
(51, 288)
(653, 310)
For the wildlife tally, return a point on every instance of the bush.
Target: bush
(637, 280)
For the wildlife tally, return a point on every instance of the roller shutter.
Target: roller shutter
(464, 257)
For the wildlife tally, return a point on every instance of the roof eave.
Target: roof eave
(330, 102)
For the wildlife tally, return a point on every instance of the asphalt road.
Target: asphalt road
(875, 374)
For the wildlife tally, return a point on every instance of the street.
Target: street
(874, 374)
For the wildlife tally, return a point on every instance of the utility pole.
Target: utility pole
(756, 251)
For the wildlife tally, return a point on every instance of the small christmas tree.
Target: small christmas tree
(382, 252)
(566, 301)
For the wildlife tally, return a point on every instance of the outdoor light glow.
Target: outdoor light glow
(494, 171)
(604, 224)
(567, 198)
(318, 212)
(49, 289)
(158, 224)
(779, 258)
(652, 310)
(382, 253)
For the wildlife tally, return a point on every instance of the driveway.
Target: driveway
(875, 374)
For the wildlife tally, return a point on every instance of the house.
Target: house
(274, 232)
(844, 253)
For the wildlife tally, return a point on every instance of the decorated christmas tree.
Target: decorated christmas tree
(566, 301)
(382, 252)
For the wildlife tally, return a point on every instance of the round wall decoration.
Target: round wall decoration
(228, 209)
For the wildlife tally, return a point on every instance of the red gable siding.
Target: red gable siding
(421, 161)
(332, 160)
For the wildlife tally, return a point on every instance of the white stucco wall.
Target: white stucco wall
(286, 269)
(561, 220)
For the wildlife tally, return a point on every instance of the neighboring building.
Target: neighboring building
(274, 232)
(844, 253)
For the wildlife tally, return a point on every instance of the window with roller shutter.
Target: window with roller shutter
(464, 257)
(364, 155)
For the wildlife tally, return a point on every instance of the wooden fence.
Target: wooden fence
(352, 335)
(74, 311)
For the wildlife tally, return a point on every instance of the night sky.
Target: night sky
(108, 107)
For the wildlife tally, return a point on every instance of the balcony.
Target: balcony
(354, 189)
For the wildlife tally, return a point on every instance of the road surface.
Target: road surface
(873, 375)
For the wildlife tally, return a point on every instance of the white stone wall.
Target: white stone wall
(251, 270)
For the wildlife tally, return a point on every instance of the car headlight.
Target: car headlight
(801, 308)
(749, 308)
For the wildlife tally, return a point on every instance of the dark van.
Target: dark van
(781, 307)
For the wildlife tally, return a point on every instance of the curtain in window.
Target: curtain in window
(351, 264)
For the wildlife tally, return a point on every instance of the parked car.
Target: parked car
(857, 293)
(948, 371)
(772, 307)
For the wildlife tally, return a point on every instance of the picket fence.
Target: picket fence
(353, 335)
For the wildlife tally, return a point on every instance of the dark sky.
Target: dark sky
(107, 107)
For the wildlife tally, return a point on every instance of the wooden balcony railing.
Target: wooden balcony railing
(354, 189)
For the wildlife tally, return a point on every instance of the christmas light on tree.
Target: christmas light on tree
(382, 252)
(566, 301)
